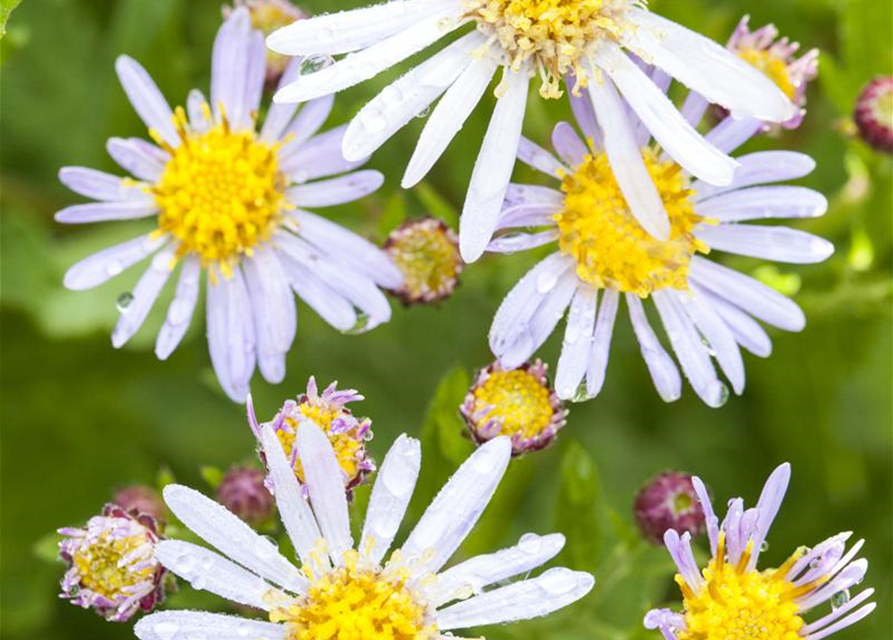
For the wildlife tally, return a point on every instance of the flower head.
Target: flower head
(518, 403)
(111, 564)
(874, 113)
(776, 57)
(266, 17)
(140, 499)
(731, 598)
(243, 492)
(427, 253)
(601, 49)
(668, 501)
(347, 592)
(229, 199)
(604, 253)
(328, 410)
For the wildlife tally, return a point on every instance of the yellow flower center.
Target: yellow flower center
(347, 444)
(598, 230)
(555, 34)
(518, 399)
(739, 604)
(427, 257)
(111, 566)
(774, 67)
(220, 194)
(355, 602)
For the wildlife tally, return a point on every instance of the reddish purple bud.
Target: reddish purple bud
(242, 491)
(874, 114)
(140, 499)
(667, 502)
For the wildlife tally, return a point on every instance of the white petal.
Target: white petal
(457, 507)
(319, 157)
(601, 342)
(325, 482)
(229, 67)
(752, 296)
(694, 108)
(545, 318)
(532, 195)
(481, 571)
(348, 31)
(449, 116)
(209, 571)
(275, 317)
(196, 106)
(722, 341)
(363, 65)
(401, 102)
(758, 203)
(568, 144)
(747, 331)
(493, 168)
(760, 168)
(513, 243)
(329, 304)
(142, 159)
(146, 99)
(179, 313)
(626, 161)
(188, 625)
(536, 157)
(706, 67)
(309, 120)
(144, 295)
(691, 352)
(106, 264)
(293, 509)
(577, 345)
(780, 244)
(105, 211)
(660, 365)
(326, 193)
(554, 589)
(231, 334)
(346, 245)
(391, 493)
(680, 140)
(101, 186)
(232, 537)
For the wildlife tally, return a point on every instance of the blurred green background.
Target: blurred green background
(79, 419)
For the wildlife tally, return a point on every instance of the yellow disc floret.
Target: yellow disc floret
(427, 254)
(598, 230)
(741, 604)
(773, 66)
(113, 566)
(555, 34)
(356, 602)
(220, 194)
(348, 444)
(516, 399)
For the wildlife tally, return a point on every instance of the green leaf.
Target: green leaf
(47, 547)
(212, 475)
(578, 511)
(6, 7)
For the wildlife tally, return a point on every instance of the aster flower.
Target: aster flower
(599, 44)
(353, 593)
(230, 201)
(518, 403)
(111, 564)
(708, 310)
(777, 58)
(874, 113)
(328, 410)
(427, 253)
(668, 501)
(731, 598)
(243, 492)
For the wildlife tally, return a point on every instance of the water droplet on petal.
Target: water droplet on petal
(840, 598)
(530, 543)
(124, 301)
(314, 63)
(423, 113)
(114, 267)
(166, 630)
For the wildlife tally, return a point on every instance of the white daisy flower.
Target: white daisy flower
(342, 592)
(731, 598)
(599, 44)
(708, 310)
(230, 200)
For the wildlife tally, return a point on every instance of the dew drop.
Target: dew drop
(373, 119)
(582, 393)
(765, 546)
(840, 598)
(423, 113)
(546, 281)
(124, 301)
(166, 630)
(361, 325)
(530, 543)
(392, 95)
(114, 267)
(557, 581)
(314, 63)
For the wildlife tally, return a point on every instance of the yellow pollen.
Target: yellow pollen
(556, 35)
(427, 255)
(772, 66)
(598, 230)
(347, 444)
(356, 602)
(109, 566)
(220, 194)
(517, 399)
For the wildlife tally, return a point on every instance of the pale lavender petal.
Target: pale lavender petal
(108, 263)
(533, 195)
(577, 345)
(326, 193)
(694, 107)
(146, 99)
(731, 133)
(720, 338)
(142, 159)
(144, 295)
(229, 67)
(544, 320)
(307, 123)
(179, 313)
(568, 144)
(660, 365)
(513, 243)
(104, 211)
(280, 115)
(710, 519)
(584, 114)
(760, 167)
(199, 111)
(319, 157)
(102, 186)
(836, 614)
(601, 341)
(759, 203)
(231, 333)
(844, 623)
(185, 625)
(536, 157)
(254, 82)
(770, 502)
(781, 244)
(747, 331)
(329, 304)
(680, 551)
(528, 215)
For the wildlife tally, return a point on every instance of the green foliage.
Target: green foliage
(6, 7)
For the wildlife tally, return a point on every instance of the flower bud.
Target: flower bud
(667, 502)
(243, 492)
(140, 499)
(874, 114)
(427, 253)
